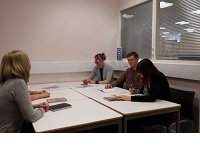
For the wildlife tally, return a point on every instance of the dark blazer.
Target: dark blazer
(159, 89)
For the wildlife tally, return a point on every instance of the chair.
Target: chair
(185, 98)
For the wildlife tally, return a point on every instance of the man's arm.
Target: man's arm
(120, 80)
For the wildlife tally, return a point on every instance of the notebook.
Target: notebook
(51, 87)
(83, 86)
(110, 99)
(59, 106)
(58, 99)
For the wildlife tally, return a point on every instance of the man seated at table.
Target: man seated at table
(133, 82)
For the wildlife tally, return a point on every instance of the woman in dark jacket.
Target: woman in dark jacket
(156, 85)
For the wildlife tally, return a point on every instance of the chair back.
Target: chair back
(185, 98)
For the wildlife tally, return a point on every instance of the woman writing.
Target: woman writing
(156, 85)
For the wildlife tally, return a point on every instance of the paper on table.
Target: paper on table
(107, 90)
(83, 86)
(54, 87)
(129, 94)
(51, 87)
(137, 94)
(57, 99)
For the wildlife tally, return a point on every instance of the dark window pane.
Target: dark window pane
(136, 29)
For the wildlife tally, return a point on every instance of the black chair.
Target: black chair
(185, 98)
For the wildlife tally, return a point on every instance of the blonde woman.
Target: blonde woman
(15, 101)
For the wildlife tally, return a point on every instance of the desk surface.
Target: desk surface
(61, 91)
(86, 112)
(73, 91)
(126, 107)
(83, 113)
(54, 86)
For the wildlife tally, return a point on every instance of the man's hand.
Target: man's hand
(108, 86)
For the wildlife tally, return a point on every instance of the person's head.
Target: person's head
(132, 58)
(99, 59)
(146, 69)
(15, 64)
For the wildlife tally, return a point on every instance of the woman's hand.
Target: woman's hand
(45, 94)
(85, 81)
(44, 105)
(123, 98)
(39, 94)
(91, 81)
(119, 98)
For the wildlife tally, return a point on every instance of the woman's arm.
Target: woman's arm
(91, 78)
(23, 101)
(93, 74)
(39, 94)
(143, 98)
(44, 105)
(157, 90)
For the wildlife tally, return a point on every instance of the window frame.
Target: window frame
(182, 69)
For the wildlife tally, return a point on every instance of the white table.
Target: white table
(84, 114)
(131, 110)
(61, 91)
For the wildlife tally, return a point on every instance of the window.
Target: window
(179, 30)
(136, 29)
(179, 33)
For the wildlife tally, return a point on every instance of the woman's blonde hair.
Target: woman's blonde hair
(15, 64)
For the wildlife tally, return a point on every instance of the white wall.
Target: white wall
(59, 30)
(62, 36)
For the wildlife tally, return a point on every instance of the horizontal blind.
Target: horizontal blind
(176, 40)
